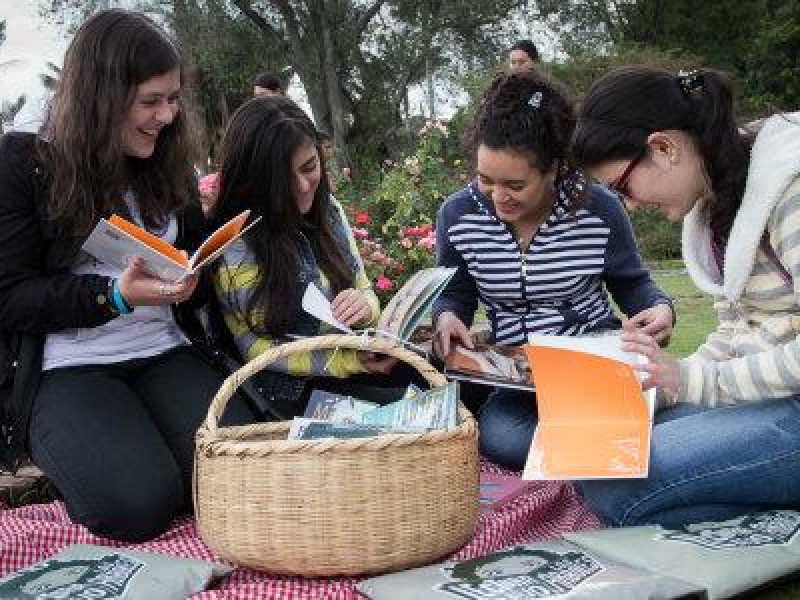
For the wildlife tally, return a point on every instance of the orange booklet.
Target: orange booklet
(594, 418)
(115, 240)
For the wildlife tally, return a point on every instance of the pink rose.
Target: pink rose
(383, 283)
(208, 184)
(428, 242)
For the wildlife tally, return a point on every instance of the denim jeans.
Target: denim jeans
(709, 464)
(506, 423)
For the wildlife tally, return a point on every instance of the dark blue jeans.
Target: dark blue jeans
(506, 423)
(117, 440)
(709, 464)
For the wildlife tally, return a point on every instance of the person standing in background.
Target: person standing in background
(522, 57)
(268, 84)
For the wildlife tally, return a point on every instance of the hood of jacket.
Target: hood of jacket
(774, 165)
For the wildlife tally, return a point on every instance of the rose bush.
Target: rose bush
(394, 222)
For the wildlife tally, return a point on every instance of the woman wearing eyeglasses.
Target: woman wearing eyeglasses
(729, 441)
(537, 245)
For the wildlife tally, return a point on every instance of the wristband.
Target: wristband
(118, 300)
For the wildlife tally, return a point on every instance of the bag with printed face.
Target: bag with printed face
(551, 569)
(726, 557)
(100, 573)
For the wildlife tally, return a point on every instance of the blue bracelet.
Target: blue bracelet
(119, 301)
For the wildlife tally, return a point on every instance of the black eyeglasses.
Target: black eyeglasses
(620, 184)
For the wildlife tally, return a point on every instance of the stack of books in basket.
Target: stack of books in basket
(330, 415)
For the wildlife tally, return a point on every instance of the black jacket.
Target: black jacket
(39, 294)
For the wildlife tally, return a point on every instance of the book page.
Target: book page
(216, 243)
(505, 366)
(316, 304)
(150, 239)
(594, 418)
(113, 245)
(409, 305)
(608, 345)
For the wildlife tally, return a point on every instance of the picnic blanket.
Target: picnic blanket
(33, 533)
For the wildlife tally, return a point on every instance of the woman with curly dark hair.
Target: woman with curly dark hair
(537, 245)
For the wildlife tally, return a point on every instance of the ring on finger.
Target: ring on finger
(162, 290)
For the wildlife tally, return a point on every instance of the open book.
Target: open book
(594, 418)
(403, 312)
(504, 366)
(115, 240)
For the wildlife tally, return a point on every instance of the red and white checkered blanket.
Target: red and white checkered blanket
(32, 533)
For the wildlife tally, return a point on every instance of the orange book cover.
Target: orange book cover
(594, 418)
(115, 240)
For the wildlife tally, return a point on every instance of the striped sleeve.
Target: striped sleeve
(711, 376)
(233, 285)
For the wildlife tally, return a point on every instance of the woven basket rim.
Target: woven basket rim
(239, 440)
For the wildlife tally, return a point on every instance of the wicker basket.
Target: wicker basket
(334, 507)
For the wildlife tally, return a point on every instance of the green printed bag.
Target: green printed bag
(100, 573)
(551, 569)
(726, 558)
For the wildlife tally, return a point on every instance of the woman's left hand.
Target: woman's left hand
(662, 369)
(351, 307)
(655, 321)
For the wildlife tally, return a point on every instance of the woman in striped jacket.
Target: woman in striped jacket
(729, 440)
(537, 245)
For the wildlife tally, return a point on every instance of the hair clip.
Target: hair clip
(690, 81)
(535, 100)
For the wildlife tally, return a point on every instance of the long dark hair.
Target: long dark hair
(111, 54)
(531, 115)
(624, 107)
(256, 174)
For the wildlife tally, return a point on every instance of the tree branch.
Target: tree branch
(368, 15)
(260, 21)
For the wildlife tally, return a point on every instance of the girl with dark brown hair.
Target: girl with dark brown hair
(100, 374)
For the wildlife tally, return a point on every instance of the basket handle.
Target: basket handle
(370, 344)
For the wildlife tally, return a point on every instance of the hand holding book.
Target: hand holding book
(450, 331)
(139, 288)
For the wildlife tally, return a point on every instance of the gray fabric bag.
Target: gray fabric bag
(726, 558)
(551, 569)
(102, 573)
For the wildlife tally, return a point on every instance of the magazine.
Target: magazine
(403, 312)
(594, 418)
(341, 416)
(116, 240)
(504, 366)
(339, 408)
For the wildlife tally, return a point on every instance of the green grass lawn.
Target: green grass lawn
(696, 316)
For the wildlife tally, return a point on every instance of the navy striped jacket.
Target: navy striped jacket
(559, 285)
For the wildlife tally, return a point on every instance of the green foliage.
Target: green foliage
(580, 70)
(394, 218)
(772, 73)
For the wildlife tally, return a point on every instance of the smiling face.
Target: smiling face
(154, 107)
(670, 178)
(306, 174)
(520, 193)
